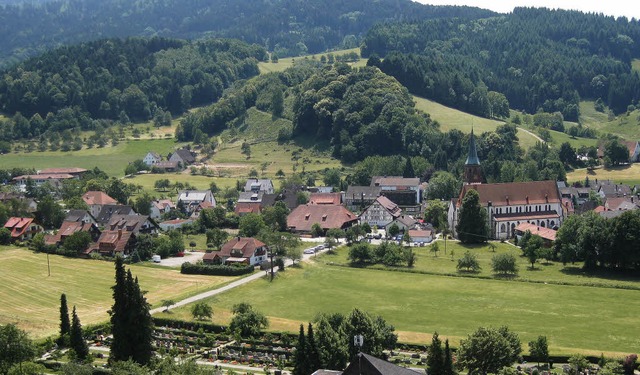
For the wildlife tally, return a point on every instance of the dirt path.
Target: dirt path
(532, 134)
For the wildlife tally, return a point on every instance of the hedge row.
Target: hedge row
(215, 270)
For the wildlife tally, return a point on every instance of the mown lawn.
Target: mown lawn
(31, 299)
(574, 318)
(626, 174)
(147, 181)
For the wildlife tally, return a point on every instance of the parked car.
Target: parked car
(156, 259)
(310, 251)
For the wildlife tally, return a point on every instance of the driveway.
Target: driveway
(191, 257)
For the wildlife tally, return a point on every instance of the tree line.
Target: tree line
(539, 59)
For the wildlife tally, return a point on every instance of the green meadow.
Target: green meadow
(284, 63)
(626, 174)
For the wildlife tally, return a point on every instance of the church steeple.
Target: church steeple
(472, 170)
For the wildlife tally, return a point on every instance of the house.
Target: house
(548, 235)
(256, 185)
(408, 189)
(183, 157)
(365, 364)
(119, 235)
(76, 172)
(614, 190)
(11, 197)
(174, 224)
(290, 199)
(239, 250)
(75, 221)
(510, 204)
(190, 199)
(167, 166)
(161, 207)
(109, 210)
(632, 146)
(320, 189)
(621, 204)
(251, 196)
(358, 197)
(23, 228)
(96, 200)
(198, 209)
(421, 235)
(404, 223)
(302, 218)
(325, 198)
(380, 213)
(243, 208)
(152, 158)
(54, 180)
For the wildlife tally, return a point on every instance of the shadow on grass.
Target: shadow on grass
(505, 276)
(599, 273)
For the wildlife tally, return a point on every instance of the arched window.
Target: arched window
(503, 228)
(542, 224)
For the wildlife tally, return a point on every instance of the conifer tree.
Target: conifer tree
(448, 360)
(121, 346)
(435, 356)
(408, 172)
(313, 354)
(76, 339)
(301, 365)
(65, 325)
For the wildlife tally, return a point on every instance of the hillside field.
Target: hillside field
(287, 62)
(31, 299)
(624, 125)
(420, 304)
(626, 174)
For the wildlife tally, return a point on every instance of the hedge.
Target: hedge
(216, 270)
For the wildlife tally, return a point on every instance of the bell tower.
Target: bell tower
(472, 169)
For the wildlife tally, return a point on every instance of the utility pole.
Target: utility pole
(48, 265)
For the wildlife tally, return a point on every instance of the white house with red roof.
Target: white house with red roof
(328, 216)
(23, 228)
(239, 250)
(160, 207)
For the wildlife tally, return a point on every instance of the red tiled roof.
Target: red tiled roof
(97, 198)
(325, 198)
(546, 233)
(248, 207)
(62, 170)
(303, 217)
(66, 229)
(240, 247)
(515, 193)
(18, 225)
(600, 209)
(393, 208)
(419, 233)
(111, 241)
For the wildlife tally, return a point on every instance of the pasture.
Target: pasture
(626, 174)
(31, 299)
(624, 125)
(284, 63)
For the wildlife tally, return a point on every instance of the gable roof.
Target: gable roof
(97, 198)
(18, 225)
(514, 193)
(108, 210)
(185, 155)
(78, 216)
(391, 207)
(43, 176)
(248, 207)
(369, 365)
(72, 170)
(546, 233)
(325, 198)
(240, 247)
(303, 217)
(251, 196)
(253, 184)
(362, 192)
(290, 199)
(129, 223)
(615, 190)
(66, 229)
(193, 195)
(620, 204)
(394, 181)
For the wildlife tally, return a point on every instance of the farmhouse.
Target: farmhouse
(75, 221)
(190, 199)
(244, 250)
(380, 213)
(109, 210)
(151, 158)
(303, 217)
(183, 157)
(325, 198)
(22, 228)
(96, 200)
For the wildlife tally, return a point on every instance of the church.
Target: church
(508, 204)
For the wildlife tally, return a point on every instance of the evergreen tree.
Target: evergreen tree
(301, 364)
(65, 325)
(435, 356)
(121, 346)
(472, 223)
(408, 172)
(313, 355)
(448, 368)
(76, 341)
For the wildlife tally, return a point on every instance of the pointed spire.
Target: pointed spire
(472, 157)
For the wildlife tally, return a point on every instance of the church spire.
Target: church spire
(472, 157)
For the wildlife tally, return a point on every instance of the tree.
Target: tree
(533, 248)
(332, 341)
(201, 311)
(567, 154)
(378, 335)
(166, 303)
(360, 253)
(277, 103)
(408, 171)
(76, 340)
(616, 153)
(217, 237)
(472, 223)
(251, 224)
(316, 230)
(487, 350)
(434, 248)
(539, 349)
(504, 264)
(578, 363)
(15, 347)
(393, 230)
(247, 321)
(468, 262)
(443, 186)
(65, 324)
(131, 323)
(300, 360)
(331, 177)
(77, 242)
(142, 204)
(435, 356)
(448, 360)
(436, 214)
(50, 214)
(312, 353)
(5, 236)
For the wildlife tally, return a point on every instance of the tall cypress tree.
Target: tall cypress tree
(300, 365)
(313, 354)
(142, 324)
(121, 345)
(408, 172)
(435, 356)
(76, 340)
(65, 325)
(448, 360)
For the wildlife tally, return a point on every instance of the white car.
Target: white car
(310, 251)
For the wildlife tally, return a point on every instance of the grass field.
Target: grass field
(32, 299)
(450, 118)
(574, 318)
(627, 174)
(626, 126)
(111, 159)
(147, 182)
(284, 63)
(558, 138)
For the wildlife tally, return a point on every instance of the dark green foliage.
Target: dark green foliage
(539, 349)
(615, 153)
(131, 323)
(76, 340)
(378, 335)
(201, 311)
(448, 360)
(50, 213)
(360, 253)
(65, 324)
(142, 204)
(468, 262)
(443, 186)
(504, 264)
(214, 270)
(15, 347)
(487, 350)
(436, 214)
(313, 355)
(76, 243)
(332, 341)
(251, 224)
(5, 235)
(408, 172)
(472, 222)
(247, 321)
(300, 360)
(435, 357)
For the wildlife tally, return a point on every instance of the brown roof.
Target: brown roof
(394, 181)
(621, 203)
(419, 233)
(66, 229)
(111, 241)
(325, 198)
(393, 208)
(514, 193)
(303, 217)
(45, 176)
(97, 198)
(129, 223)
(248, 207)
(240, 247)
(631, 146)
(546, 233)
(73, 170)
(18, 225)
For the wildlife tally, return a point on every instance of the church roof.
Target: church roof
(472, 157)
(515, 193)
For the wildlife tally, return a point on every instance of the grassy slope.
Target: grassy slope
(31, 299)
(282, 64)
(626, 174)
(418, 305)
(624, 126)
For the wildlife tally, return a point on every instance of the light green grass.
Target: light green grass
(575, 319)
(147, 182)
(558, 138)
(626, 174)
(450, 118)
(284, 63)
(626, 126)
(31, 299)
(111, 159)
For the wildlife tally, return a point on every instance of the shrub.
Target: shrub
(217, 270)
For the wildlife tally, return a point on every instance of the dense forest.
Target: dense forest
(132, 79)
(540, 59)
(287, 27)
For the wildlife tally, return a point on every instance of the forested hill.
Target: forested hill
(288, 27)
(539, 58)
(134, 79)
